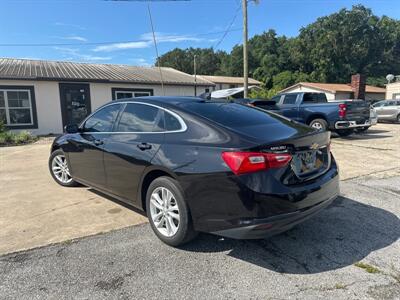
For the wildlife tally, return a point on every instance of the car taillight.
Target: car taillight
(342, 110)
(246, 162)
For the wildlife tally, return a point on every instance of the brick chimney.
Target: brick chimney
(358, 86)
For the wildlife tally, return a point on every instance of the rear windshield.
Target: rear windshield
(230, 114)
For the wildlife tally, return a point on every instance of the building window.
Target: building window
(126, 93)
(232, 86)
(17, 107)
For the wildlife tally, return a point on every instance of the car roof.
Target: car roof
(175, 100)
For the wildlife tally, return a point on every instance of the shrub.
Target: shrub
(11, 138)
(2, 127)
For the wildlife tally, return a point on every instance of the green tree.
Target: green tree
(330, 49)
(207, 60)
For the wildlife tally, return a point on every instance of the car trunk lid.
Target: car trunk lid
(310, 156)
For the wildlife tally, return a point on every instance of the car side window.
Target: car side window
(290, 99)
(103, 120)
(171, 123)
(276, 99)
(138, 117)
(310, 98)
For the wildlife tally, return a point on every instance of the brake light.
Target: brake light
(342, 110)
(247, 162)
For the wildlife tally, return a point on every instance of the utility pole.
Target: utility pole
(195, 75)
(245, 51)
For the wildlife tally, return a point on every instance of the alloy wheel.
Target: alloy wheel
(164, 211)
(60, 169)
(317, 125)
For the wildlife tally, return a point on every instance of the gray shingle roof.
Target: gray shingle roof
(26, 69)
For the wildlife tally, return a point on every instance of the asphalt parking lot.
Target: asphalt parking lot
(349, 251)
(102, 251)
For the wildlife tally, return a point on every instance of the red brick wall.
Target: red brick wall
(358, 82)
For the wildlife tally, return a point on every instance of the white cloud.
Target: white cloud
(73, 53)
(146, 41)
(141, 62)
(171, 38)
(75, 38)
(122, 46)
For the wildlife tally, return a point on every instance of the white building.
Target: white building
(393, 90)
(336, 91)
(227, 82)
(44, 96)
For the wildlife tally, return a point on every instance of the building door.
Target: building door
(75, 102)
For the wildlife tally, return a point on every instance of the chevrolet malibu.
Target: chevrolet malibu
(195, 165)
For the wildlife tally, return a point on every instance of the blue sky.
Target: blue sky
(198, 23)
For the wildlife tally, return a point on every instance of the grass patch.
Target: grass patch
(340, 286)
(368, 268)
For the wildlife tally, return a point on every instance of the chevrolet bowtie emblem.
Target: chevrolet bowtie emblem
(314, 146)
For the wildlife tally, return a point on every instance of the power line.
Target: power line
(155, 46)
(228, 29)
(100, 43)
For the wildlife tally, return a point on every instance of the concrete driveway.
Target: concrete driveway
(36, 211)
(348, 251)
(375, 152)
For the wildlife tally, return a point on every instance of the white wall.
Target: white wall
(100, 93)
(48, 107)
(224, 86)
(393, 90)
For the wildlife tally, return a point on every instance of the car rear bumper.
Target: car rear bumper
(352, 124)
(265, 227)
(239, 211)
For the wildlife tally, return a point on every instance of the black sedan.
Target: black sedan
(196, 165)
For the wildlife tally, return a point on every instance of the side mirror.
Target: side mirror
(71, 128)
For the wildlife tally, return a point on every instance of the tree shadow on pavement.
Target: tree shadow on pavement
(342, 234)
(368, 135)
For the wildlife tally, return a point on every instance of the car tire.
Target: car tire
(344, 132)
(398, 119)
(362, 129)
(59, 169)
(162, 213)
(319, 124)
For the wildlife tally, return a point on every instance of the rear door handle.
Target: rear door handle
(144, 146)
(98, 142)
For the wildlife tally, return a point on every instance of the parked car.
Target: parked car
(388, 110)
(314, 110)
(196, 165)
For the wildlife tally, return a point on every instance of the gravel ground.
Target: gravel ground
(318, 259)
